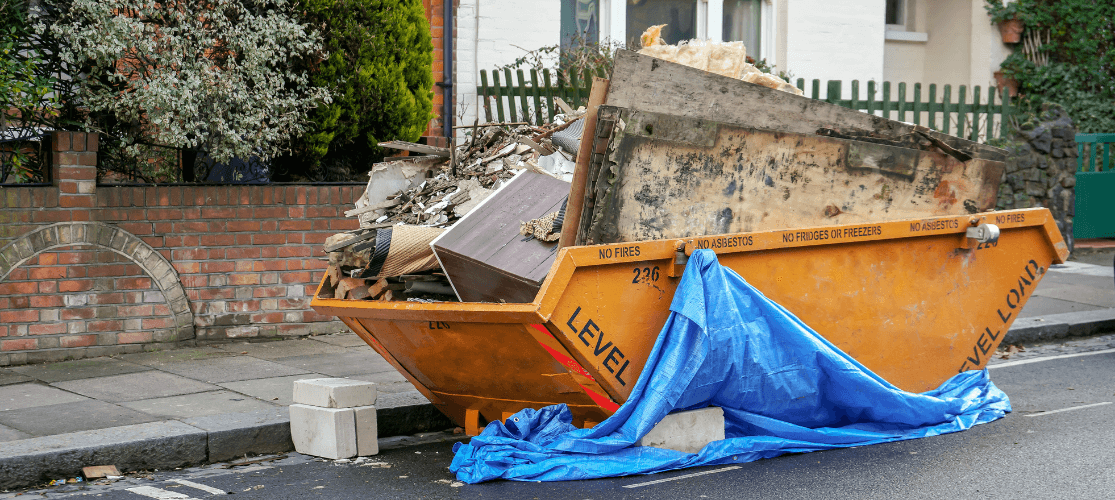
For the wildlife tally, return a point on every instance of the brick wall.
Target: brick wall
(87, 270)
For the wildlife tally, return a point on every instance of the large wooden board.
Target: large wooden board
(666, 176)
(650, 84)
(483, 254)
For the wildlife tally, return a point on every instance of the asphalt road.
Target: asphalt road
(1066, 453)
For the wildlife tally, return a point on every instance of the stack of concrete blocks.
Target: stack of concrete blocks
(334, 418)
(686, 431)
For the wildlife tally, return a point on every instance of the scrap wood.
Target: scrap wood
(417, 148)
(99, 471)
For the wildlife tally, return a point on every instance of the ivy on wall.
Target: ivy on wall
(1080, 72)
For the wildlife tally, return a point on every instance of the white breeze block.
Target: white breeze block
(367, 431)
(323, 432)
(687, 431)
(334, 392)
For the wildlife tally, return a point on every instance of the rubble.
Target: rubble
(425, 194)
(492, 154)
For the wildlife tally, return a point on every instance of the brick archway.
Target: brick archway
(112, 238)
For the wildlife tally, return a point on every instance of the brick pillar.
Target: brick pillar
(74, 171)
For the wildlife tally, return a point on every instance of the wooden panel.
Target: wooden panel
(668, 177)
(485, 247)
(649, 84)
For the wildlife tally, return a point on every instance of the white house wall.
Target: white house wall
(835, 40)
(493, 33)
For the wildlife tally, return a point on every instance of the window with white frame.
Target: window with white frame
(749, 21)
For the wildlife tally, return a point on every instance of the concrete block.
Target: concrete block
(334, 393)
(367, 431)
(323, 432)
(687, 431)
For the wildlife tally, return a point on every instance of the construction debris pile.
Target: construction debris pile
(410, 201)
(483, 222)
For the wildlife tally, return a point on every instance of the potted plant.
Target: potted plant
(1008, 19)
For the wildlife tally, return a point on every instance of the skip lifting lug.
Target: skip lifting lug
(982, 233)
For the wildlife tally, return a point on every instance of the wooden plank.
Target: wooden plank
(417, 148)
(524, 104)
(671, 177)
(917, 104)
(946, 109)
(499, 96)
(871, 97)
(934, 107)
(886, 100)
(510, 93)
(486, 93)
(650, 84)
(816, 89)
(974, 136)
(550, 92)
(1006, 113)
(574, 93)
(961, 110)
(855, 95)
(902, 101)
(580, 173)
(832, 93)
(540, 115)
(485, 257)
(991, 113)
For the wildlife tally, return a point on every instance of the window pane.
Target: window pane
(895, 12)
(679, 16)
(742, 22)
(579, 22)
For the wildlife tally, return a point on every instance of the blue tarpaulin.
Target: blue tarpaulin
(783, 388)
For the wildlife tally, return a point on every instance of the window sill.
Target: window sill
(906, 36)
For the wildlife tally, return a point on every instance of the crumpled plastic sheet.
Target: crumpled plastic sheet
(783, 388)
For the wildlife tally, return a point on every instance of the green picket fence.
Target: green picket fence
(532, 100)
(980, 120)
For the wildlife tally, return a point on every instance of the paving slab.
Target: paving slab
(10, 434)
(231, 369)
(390, 382)
(78, 369)
(232, 435)
(8, 377)
(275, 390)
(156, 359)
(154, 445)
(282, 348)
(341, 339)
(198, 405)
(1043, 306)
(135, 386)
(1101, 282)
(30, 395)
(340, 365)
(1082, 294)
(72, 417)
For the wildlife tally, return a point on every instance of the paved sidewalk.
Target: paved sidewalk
(209, 404)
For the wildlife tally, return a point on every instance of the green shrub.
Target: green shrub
(379, 73)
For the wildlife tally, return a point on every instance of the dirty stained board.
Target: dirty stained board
(649, 84)
(485, 257)
(664, 176)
